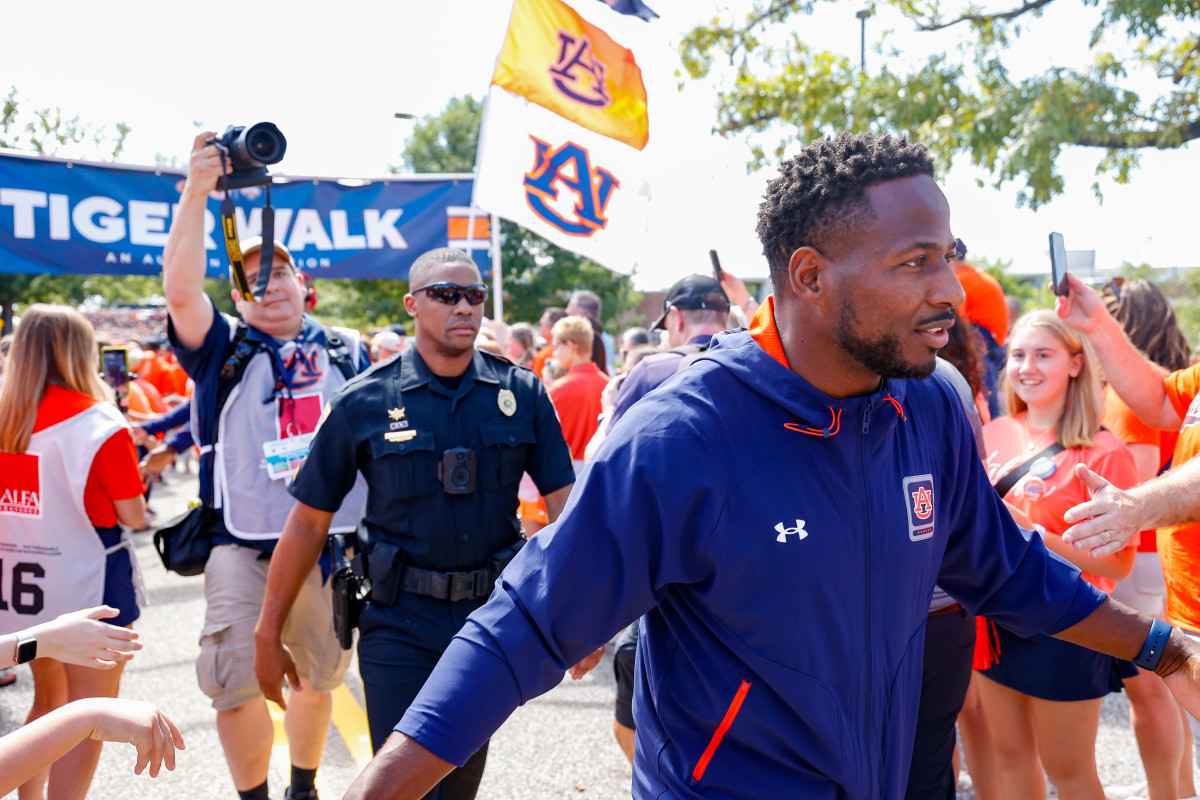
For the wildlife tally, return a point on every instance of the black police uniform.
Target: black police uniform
(433, 555)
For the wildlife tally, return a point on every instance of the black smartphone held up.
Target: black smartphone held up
(1058, 265)
(115, 361)
(718, 273)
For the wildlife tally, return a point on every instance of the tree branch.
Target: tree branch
(1030, 5)
(1180, 73)
(1138, 139)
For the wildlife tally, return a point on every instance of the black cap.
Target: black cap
(692, 293)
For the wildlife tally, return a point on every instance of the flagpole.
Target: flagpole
(497, 271)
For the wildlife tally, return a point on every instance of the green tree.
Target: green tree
(966, 100)
(47, 131)
(537, 274)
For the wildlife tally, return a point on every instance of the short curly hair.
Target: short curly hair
(819, 198)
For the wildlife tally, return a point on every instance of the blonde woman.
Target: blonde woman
(68, 475)
(1042, 697)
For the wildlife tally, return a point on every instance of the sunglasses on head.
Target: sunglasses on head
(451, 293)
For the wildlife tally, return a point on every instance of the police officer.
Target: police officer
(442, 433)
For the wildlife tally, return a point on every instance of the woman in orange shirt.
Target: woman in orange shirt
(1042, 696)
(68, 474)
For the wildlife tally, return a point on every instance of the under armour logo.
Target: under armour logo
(798, 531)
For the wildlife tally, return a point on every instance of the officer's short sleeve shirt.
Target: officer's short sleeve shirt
(394, 423)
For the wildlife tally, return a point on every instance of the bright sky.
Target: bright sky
(331, 76)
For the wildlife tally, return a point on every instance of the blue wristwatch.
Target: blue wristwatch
(1156, 642)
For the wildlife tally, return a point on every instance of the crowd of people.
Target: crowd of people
(822, 534)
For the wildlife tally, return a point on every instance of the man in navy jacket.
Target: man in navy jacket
(785, 591)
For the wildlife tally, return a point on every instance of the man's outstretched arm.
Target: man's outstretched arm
(1122, 632)
(1108, 521)
(185, 254)
(1137, 380)
(401, 770)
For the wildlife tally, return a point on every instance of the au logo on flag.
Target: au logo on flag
(570, 167)
(566, 86)
(578, 73)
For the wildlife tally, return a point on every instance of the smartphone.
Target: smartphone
(115, 361)
(1058, 265)
(718, 273)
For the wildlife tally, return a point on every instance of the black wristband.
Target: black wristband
(1156, 642)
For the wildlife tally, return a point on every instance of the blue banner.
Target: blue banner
(62, 217)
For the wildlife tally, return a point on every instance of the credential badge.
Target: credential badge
(507, 402)
(396, 413)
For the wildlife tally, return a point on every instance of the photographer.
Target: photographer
(279, 353)
(442, 433)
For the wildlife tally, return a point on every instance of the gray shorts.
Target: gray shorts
(235, 582)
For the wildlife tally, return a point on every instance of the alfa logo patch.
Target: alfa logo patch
(919, 499)
(20, 484)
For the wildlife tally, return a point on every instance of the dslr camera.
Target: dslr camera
(250, 150)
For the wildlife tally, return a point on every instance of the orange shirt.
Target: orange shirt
(1045, 498)
(985, 301)
(576, 398)
(1126, 426)
(1179, 548)
(114, 472)
(539, 360)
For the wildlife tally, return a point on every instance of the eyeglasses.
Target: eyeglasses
(451, 293)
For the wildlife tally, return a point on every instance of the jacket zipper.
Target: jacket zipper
(869, 693)
(734, 707)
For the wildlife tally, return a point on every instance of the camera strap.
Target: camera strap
(229, 232)
(233, 249)
(266, 256)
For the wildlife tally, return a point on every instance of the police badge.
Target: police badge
(507, 402)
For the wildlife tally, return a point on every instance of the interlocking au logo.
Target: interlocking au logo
(578, 74)
(586, 189)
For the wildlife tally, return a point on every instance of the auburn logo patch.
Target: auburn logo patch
(919, 499)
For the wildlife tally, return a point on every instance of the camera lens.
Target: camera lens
(460, 477)
(265, 143)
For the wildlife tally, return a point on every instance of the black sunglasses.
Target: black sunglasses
(451, 293)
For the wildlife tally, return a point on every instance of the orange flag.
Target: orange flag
(553, 58)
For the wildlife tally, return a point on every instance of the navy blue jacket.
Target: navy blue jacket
(783, 546)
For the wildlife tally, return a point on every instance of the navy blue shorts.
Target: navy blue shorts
(118, 579)
(1051, 669)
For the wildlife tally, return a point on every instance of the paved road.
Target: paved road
(557, 746)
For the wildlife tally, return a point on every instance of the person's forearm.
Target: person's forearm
(31, 748)
(557, 501)
(172, 419)
(401, 770)
(1120, 631)
(1116, 567)
(8, 650)
(184, 253)
(1170, 499)
(1137, 380)
(298, 549)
